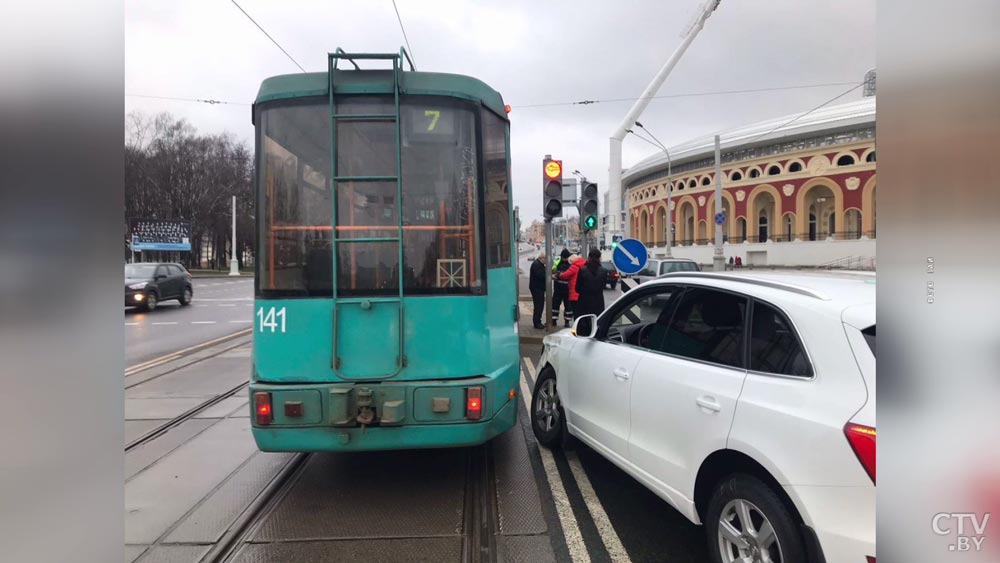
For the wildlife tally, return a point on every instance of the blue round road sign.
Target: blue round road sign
(629, 256)
(720, 218)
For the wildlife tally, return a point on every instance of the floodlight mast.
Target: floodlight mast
(615, 153)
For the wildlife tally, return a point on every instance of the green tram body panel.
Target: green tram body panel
(449, 342)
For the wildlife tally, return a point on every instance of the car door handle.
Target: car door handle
(708, 403)
(621, 374)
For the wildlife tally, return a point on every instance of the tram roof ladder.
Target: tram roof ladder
(397, 66)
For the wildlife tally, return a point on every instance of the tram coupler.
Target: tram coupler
(366, 414)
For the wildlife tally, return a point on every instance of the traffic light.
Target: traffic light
(552, 188)
(588, 205)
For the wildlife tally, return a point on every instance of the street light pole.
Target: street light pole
(670, 214)
(234, 265)
(719, 259)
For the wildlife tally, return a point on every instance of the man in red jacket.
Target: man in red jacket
(575, 263)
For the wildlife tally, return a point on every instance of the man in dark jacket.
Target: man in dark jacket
(560, 290)
(536, 284)
(590, 286)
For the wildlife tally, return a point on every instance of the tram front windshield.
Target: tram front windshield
(439, 211)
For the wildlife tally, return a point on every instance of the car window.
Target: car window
(139, 270)
(670, 267)
(161, 270)
(650, 269)
(870, 337)
(774, 348)
(645, 309)
(708, 325)
(174, 270)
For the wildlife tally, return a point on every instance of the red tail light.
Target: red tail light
(870, 559)
(262, 406)
(474, 403)
(862, 440)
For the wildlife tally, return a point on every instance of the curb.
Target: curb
(531, 339)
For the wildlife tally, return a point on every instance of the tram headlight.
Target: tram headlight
(139, 285)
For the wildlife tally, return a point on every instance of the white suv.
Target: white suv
(746, 401)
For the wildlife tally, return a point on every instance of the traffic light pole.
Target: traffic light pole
(548, 274)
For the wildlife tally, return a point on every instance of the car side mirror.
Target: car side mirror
(585, 326)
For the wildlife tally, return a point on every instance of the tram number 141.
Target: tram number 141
(272, 319)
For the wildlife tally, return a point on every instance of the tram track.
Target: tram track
(479, 544)
(187, 415)
(262, 505)
(182, 354)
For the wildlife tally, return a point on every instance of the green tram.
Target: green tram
(386, 288)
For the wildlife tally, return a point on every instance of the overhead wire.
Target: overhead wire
(179, 99)
(268, 35)
(686, 95)
(405, 39)
(800, 116)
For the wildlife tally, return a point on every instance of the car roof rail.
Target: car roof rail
(801, 290)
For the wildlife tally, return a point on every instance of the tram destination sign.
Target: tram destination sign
(160, 234)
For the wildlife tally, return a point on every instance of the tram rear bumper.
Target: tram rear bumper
(384, 416)
(418, 436)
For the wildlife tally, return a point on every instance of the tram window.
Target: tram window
(441, 198)
(497, 193)
(295, 257)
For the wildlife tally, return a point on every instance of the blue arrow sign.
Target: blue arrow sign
(720, 218)
(629, 256)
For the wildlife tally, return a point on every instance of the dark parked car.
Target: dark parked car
(613, 276)
(149, 283)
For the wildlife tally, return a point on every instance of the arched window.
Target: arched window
(754, 173)
(870, 157)
(742, 224)
(762, 228)
(795, 167)
(706, 181)
(852, 227)
(692, 183)
(737, 176)
(812, 226)
(789, 226)
(846, 160)
(774, 170)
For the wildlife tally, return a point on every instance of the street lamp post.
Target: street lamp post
(670, 214)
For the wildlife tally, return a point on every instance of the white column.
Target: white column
(234, 264)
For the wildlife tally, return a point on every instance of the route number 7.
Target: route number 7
(434, 114)
(270, 319)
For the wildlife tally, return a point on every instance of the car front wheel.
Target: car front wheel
(151, 301)
(548, 420)
(746, 521)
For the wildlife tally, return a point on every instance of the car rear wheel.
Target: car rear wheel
(185, 297)
(548, 420)
(151, 301)
(746, 521)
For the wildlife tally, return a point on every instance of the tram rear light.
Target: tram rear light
(474, 403)
(506, 108)
(262, 406)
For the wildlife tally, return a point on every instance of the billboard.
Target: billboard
(161, 234)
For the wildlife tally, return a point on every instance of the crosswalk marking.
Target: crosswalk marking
(574, 539)
(612, 543)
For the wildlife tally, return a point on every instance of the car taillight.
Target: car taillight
(262, 406)
(862, 440)
(474, 403)
(869, 559)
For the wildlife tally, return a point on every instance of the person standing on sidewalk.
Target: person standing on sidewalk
(560, 289)
(570, 275)
(590, 286)
(536, 285)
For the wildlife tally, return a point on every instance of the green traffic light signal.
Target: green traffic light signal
(590, 222)
(614, 244)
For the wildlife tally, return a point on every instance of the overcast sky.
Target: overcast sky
(532, 52)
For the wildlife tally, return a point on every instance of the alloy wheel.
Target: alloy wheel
(746, 535)
(547, 405)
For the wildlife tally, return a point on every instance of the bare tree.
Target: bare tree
(172, 172)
